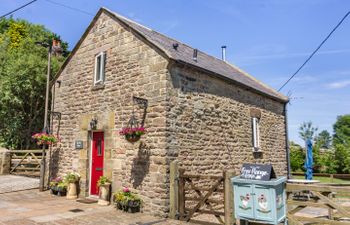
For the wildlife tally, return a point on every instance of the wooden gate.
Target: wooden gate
(300, 196)
(26, 162)
(196, 195)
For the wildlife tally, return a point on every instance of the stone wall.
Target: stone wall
(209, 124)
(133, 68)
(5, 161)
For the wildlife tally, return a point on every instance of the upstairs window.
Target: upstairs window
(256, 134)
(100, 62)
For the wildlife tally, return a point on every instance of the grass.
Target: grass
(326, 180)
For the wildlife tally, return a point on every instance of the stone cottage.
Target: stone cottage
(200, 110)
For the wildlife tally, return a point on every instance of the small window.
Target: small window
(100, 60)
(256, 134)
(99, 147)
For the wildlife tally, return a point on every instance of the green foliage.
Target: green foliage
(341, 143)
(23, 69)
(331, 155)
(103, 180)
(71, 178)
(58, 183)
(297, 157)
(307, 131)
(125, 196)
(342, 130)
(324, 139)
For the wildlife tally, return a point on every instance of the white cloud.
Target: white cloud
(339, 84)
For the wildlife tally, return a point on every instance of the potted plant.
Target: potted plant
(71, 179)
(132, 134)
(58, 187)
(104, 185)
(45, 139)
(127, 201)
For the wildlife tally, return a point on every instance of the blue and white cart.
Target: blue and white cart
(260, 201)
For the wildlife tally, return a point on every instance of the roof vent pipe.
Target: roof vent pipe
(223, 53)
(195, 53)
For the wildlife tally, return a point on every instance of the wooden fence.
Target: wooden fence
(194, 195)
(300, 196)
(26, 162)
(330, 175)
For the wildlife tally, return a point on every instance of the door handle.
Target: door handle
(99, 169)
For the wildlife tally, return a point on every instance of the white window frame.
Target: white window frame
(255, 134)
(102, 68)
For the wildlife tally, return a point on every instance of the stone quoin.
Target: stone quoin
(198, 112)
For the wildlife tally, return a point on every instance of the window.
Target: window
(99, 147)
(256, 135)
(100, 60)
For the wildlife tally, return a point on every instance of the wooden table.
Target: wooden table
(302, 181)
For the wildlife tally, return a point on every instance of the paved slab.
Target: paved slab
(32, 207)
(10, 183)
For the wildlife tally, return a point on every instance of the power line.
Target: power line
(314, 52)
(69, 7)
(21, 7)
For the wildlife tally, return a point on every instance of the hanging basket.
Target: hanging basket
(45, 139)
(132, 137)
(133, 131)
(132, 134)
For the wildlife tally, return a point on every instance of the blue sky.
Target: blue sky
(268, 39)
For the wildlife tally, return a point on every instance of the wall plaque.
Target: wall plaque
(257, 171)
(79, 144)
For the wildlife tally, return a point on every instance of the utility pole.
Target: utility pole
(56, 47)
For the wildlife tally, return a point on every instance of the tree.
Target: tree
(341, 143)
(307, 131)
(297, 157)
(342, 130)
(324, 139)
(23, 68)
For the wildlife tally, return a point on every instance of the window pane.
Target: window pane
(99, 147)
(103, 63)
(98, 68)
(255, 132)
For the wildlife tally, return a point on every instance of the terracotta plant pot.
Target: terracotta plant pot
(72, 192)
(104, 194)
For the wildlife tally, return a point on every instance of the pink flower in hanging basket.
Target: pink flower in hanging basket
(134, 130)
(45, 139)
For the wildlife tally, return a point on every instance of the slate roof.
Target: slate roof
(184, 54)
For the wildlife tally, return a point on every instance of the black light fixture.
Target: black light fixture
(93, 123)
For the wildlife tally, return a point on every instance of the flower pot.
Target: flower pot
(133, 206)
(130, 207)
(104, 194)
(132, 137)
(72, 192)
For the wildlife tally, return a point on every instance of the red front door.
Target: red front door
(96, 161)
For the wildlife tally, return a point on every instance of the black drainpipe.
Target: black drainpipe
(287, 139)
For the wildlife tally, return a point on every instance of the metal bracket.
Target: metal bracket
(140, 101)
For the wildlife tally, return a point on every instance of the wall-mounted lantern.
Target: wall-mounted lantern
(93, 124)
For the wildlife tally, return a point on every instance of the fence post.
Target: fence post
(5, 161)
(174, 189)
(181, 194)
(332, 176)
(228, 197)
(330, 210)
